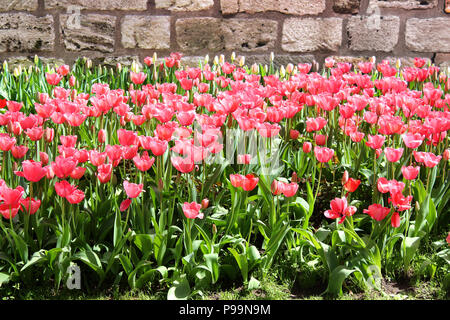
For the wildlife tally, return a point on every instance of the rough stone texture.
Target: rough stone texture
(24, 5)
(192, 61)
(279, 59)
(217, 35)
(370, 33)
(112, 61)
(350, 59)
(442, 60)
(306, 35)
(95, 32)
(404, 4)
(297, 7)
(97, 5)
(346, 6)
(184, 5)
(21, 32)
(428, 35)
(146, 32)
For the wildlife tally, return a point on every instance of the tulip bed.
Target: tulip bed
(186, 178)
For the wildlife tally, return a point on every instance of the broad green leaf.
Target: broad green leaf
(180, 289)
(337, 277)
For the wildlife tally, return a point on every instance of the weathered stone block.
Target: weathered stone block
(306, 35)
(184, 5)
(404, 4)
(146, 32)
(217, 35)
(373, 33)
(297, 7)
(23, 32)
(346, 6)
(97, 5)
(24, 5)
(428, 35)
(93, 32)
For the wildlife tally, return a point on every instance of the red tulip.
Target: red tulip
(77, 173)
(320, 139)
(6, 142)
(307, 146)
(75, 197)
(205, 203)
(412, 140)
(63, 167)
(126, 137)
(244, 158)
(192, 210)
(377, 211)
(19, 152)
(249, 182)
(32, 171)
(63, 70)
(137, 78)
(144, 162)
(35, 204)
(97, 158)
(104, 172)
(53, 78)
(393, 155)
(410, 172)
(323, 154)
(132, 190)
(376, 141)
(277, 187)
(290, 189)
(352, 184)
(125, 204)
(293, 134)
(101, 136)
(158, 147)
(184, 165)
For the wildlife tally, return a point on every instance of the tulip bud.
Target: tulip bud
(398, 63)
(307, 147)
(446, 154)
(16, 72)
(205, 203)
(344, 177)
(101, 136)
(272, 56)
(282, 71)
(44, 158)
(378, 152)
(294, 134)
(155, 56)
(254, 68)
(5, 65)
(216, 60)
(233, 56)
(160, 184)
(221, 59)
(242, 61)
(207, 59)
(214, 229)
(289, 68)
(49, 134)
(417, 206)
(294, 177)
(72, 81)
(88, 63)
(36, 59)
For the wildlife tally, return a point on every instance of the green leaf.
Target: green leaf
(212, 262)
(144, 244)
(21, 246)
(180, 289)
(337, 277)
(90, 258)
(253, 284)
(410, 246)
(117, 228)
(4, 278)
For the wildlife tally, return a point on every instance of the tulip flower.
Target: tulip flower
(393, 155)
(32, 171)
(192, 210)
(144, 162)
(35, 204)
(377, 211)
(410, 172)
(323, 154)
(375, 142)
(132, 190)
(63, 167)
(104, 172)
(352, 184)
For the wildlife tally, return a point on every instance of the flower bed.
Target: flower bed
(188, 177)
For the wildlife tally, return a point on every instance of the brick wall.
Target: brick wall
(111, 31)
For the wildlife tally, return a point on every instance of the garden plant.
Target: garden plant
(183, 178)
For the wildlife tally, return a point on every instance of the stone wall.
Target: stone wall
(295, 30)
